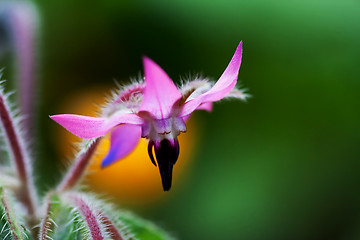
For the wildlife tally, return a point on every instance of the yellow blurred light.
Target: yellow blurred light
(133, 179)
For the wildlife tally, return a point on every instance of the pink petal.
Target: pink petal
(160, 92)
(223, 86)
(207, 106)
(91, 127)
(204, 106)
(124, 139)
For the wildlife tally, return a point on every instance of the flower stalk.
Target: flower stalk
(113, 231)
(76, 172)
(22, 18)
(14, 228)
(47, 223)
(18, 155)
(89, 216)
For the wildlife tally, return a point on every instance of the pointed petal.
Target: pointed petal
(160, 92)
(124, 139)
(91, 127)
(81, 126)
(223, 86)
(207, 106)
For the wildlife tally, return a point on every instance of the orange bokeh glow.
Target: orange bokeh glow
(134, 179)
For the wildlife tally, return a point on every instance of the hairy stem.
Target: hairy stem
(115, 234)
(76, 172)
(19, 156)
(23, 23)
(47, 224)
(89, 216)
(13, 226)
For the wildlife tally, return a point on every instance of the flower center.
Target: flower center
(160, 129)
(162, 135)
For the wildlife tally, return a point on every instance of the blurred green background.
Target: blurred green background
(284, 165)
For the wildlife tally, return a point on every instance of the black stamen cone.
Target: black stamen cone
(166, 156)
(166, 176)
(150, 147)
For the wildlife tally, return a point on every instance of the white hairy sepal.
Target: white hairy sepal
(124, 99)
(127, 98)
(193, 88)
(239, 94)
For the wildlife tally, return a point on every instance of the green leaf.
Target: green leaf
(143, 229)
(67, 225)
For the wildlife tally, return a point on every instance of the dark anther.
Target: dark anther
(150, 146)
(167, 153)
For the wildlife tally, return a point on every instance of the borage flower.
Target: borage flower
(154, 109)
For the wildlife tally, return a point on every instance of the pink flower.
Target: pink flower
(155, 109)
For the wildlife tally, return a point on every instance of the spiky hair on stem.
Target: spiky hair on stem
(99, 220)
(78, 169)
(15, 119)
(10, 124)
